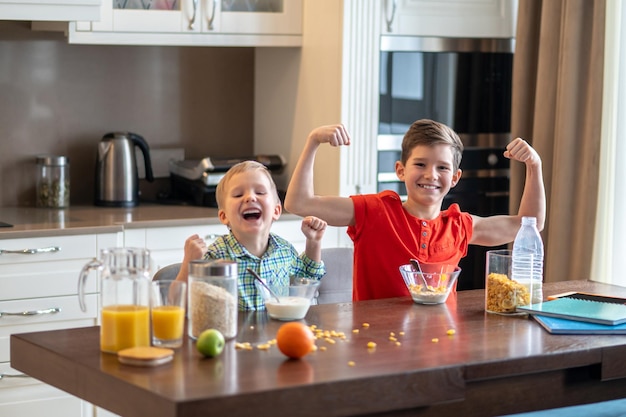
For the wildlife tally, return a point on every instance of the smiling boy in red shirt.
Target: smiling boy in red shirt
(388, 232)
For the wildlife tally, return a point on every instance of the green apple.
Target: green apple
(210, 342)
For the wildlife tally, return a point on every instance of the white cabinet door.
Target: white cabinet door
(274, 17)
(450, 18)
(50, 10)
(21, 397)
(194, 23)
(40, 314)
(39, 292)
(139, 20)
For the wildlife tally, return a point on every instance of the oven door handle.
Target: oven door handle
(495, 194)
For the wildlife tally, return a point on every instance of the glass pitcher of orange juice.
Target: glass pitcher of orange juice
(124, 297)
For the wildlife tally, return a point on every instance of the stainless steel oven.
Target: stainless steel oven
(466, 84)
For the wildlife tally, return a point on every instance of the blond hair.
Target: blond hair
(428, 132)
(245, 166)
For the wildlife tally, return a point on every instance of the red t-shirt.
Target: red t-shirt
(386, 236)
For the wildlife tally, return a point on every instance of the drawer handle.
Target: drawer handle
(52, 310)
(211, 237)
(50, 249)
(2, 376)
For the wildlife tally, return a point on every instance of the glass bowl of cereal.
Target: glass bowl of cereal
(431, 285)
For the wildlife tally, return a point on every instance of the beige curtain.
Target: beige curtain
(557, 106)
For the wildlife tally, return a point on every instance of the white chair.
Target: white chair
(336, 285)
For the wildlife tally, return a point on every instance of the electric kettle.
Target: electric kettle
(117, 182)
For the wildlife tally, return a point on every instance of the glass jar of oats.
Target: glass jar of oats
(212, 297)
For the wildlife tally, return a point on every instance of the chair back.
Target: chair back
(336, 285)
(167, 272)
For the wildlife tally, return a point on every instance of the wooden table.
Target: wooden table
(492, 365)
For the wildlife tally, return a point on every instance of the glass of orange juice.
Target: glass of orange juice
(167, 312)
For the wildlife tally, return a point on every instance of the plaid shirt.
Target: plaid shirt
(278, 263)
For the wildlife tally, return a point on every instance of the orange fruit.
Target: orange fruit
(295, 339)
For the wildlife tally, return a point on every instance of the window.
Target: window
(610, 238)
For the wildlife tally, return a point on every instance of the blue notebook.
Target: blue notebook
(588, 310)
(564, 326)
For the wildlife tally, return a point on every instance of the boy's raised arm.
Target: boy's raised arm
(533, 202)
(313, 229)
(195, 248)
(501, 229)
(301, 198)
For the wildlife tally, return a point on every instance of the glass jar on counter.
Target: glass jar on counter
(212, 297)
(53, 181)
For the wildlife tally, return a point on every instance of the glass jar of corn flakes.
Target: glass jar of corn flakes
(502, 294)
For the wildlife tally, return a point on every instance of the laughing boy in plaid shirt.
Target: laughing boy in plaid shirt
(248, 204)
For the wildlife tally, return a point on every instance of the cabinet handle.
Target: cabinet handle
(2, 376)
(212, 18)
(50, 249)
(193, 17)
(389, 20)
(52, 310)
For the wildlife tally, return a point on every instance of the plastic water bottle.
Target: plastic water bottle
(530, 274)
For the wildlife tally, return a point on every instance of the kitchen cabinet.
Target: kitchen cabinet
(50, 10)
(452, 18)
(39, 278)
(193, 23)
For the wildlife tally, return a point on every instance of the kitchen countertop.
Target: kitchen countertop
(37, 222)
